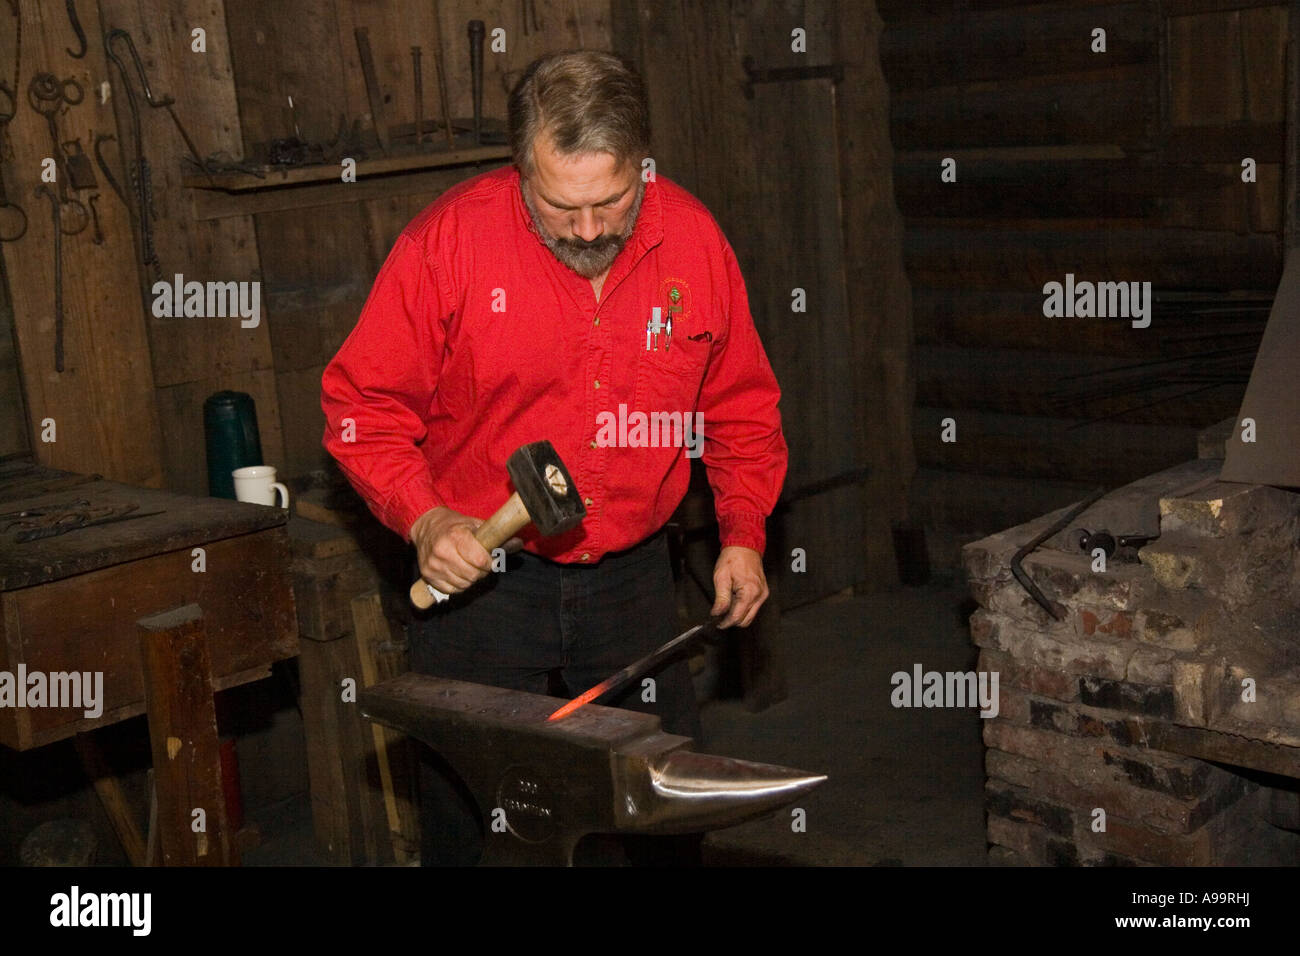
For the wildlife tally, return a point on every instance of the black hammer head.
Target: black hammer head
(545, 487)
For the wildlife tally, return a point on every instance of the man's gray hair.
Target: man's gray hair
(586, 101)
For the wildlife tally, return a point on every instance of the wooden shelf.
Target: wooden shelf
(296, 187)
(276, 177)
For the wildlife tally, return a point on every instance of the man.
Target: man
(521, 306)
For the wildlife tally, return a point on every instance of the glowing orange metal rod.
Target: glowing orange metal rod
(615, 681)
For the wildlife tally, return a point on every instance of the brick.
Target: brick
(1033, 844)
(1070, 655)
(1229, 508)
(1193, 681)
(1165, 630)
(1013, 704)
(1151, 665)
(1048, 715)
(1145, 699)
(1141, 843)
(1273, 715)
(1017, 803)
(983, 626)
(1116, 785)
(1239, 571)
(1005, 856)
(1117, 624)
(1036, 680)
(1069, 578)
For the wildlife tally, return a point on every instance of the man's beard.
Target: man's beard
(588, 259)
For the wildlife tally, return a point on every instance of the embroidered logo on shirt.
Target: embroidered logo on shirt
(675, 299)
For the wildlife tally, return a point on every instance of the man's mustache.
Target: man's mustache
(595, 245)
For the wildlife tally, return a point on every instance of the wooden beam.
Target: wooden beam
(208, 204)
(275, 177)
(108, 787)
(1010, 44)
(1029, 446)
(183, 735)
(1021, 257)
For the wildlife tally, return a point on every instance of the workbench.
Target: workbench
(173, 600)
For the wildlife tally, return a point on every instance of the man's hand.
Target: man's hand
(449, 557)
(740, 584)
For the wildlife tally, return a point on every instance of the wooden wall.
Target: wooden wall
(129, 404)
(102, 403)
(318, 262)
(799, 178)
(1123, 165)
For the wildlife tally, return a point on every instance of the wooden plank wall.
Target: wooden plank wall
(783, 174)
(1117, 166)
(318, 263)
(102, 403)
(195, 357)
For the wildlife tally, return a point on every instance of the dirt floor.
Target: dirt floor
(905, 786)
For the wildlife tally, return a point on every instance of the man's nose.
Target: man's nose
(586, 226)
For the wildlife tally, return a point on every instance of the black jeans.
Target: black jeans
(537, 622)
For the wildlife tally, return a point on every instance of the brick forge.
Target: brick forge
(1136, 703)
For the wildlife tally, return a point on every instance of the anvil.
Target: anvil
(546, 784)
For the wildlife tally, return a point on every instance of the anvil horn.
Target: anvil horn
(695, 792)
(601, 770)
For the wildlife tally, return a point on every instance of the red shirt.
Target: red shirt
(475, 340)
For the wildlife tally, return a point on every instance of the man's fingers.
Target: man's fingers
(446, 579)
(722, 599)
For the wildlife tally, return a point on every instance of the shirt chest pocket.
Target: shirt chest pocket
(669, 378)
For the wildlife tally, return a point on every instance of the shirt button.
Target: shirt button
(597, 383)
(593, 444)
(587, 502)
(586, 556)
(597, 321)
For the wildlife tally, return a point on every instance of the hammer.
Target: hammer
(544, 494)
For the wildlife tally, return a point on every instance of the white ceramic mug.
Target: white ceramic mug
(257, 484)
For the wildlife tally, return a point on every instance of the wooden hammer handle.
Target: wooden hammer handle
(496, 531)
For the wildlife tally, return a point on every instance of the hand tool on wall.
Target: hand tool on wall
(638, 667)
(47, 94)
(76, 28)
(444, 101)
(94, 216)
(8, 93)
(476, 33)
(100, 140)
(44, 190)
(139, 171)
(604, 771)
(13, 220)
(160, 102)
(373, 93)
(418, 79)
(439, 64)
(544, 495)
(81, 174)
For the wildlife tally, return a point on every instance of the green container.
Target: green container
(230, 430)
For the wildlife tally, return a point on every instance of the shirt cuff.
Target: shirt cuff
(743, 530)
(409, 502)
